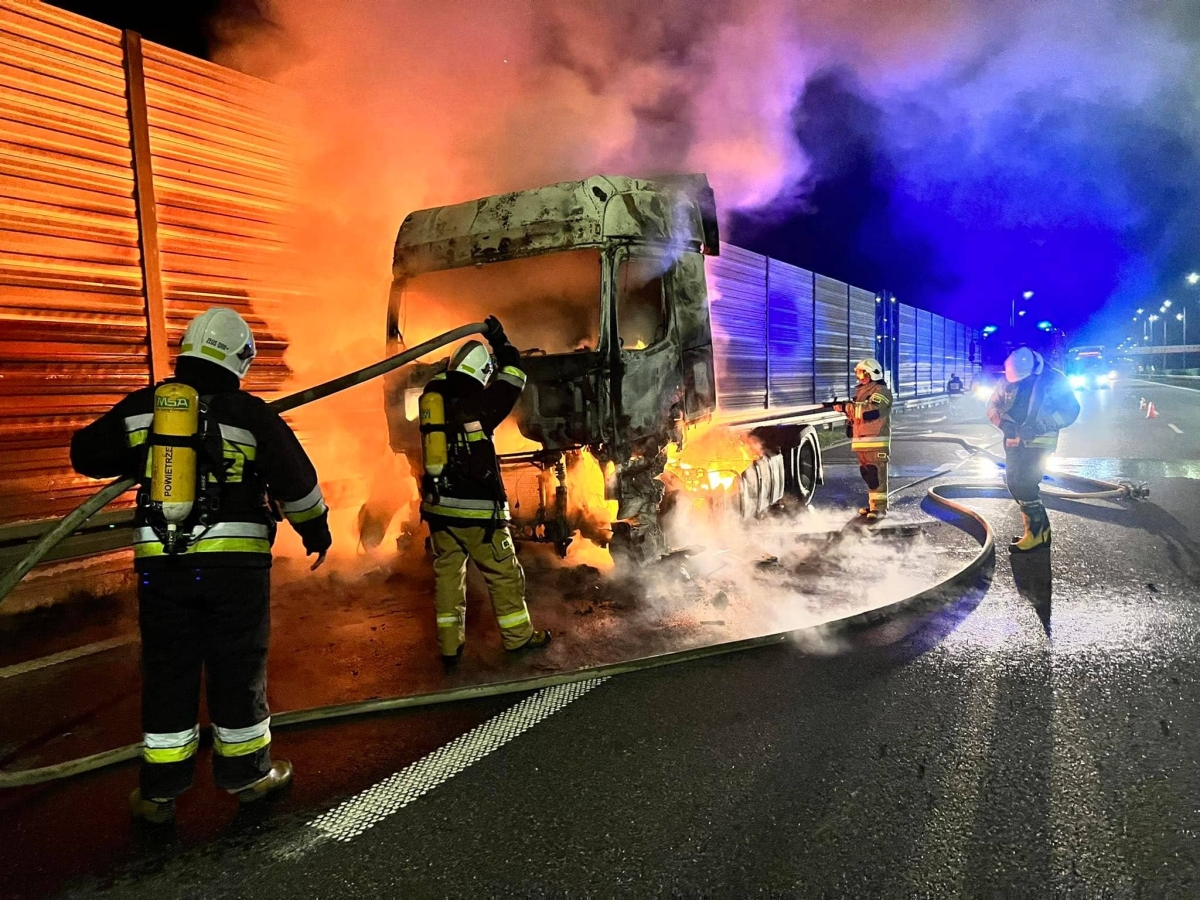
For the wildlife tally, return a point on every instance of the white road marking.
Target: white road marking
(1175, 428)
(354, 816)
(43, 662)
(1174, 387)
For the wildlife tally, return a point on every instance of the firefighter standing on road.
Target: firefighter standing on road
(1030, 405)
(463, 497)
(210, 454)
(869, 428)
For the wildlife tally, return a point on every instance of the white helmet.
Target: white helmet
(871, 366)
(220, 336)
(473, 359)
(1022, 363)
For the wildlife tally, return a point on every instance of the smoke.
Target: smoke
(1045, 145)
(956, 151)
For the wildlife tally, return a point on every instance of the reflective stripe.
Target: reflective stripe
(450, 512)
(241, 741)
(452, 620)
(521, 617)
(238, 435)
(879, 398)
(136, 423)
(1045, 440)
(137, 438)
(468, 503)
(512, 375)
(472, 426)
(307, 508)
(870, 444)
(877, 495)
(308, 500)
(473, 436)
(169, 747)
(213, 352)
(223, 537)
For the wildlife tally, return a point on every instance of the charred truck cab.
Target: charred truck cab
(601, 283)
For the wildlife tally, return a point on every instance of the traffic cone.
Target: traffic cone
(1142, 405)
(1151, 412)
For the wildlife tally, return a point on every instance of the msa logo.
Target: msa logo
(171, 403)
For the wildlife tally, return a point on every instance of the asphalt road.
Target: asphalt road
(1036, 738)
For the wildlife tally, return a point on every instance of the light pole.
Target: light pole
(1182, 317)
(1152, 319)
(1012, 317)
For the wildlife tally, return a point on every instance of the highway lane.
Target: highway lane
(1036, 739)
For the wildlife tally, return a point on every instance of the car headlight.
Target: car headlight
(982, 392)
(1077, 381)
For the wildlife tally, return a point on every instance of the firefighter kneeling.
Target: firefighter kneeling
(869, 427)
(463, 497)
(210, 454)
(1030, 405)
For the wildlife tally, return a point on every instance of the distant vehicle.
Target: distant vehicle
(1089, 370)
(999, 341)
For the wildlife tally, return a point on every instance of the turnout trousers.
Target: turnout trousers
(215, 621)
(453, 547)
(873, 466)
(1024, 468)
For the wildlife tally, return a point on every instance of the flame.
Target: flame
(640, 345)
(711, 458)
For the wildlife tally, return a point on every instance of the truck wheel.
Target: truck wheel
(803, 459)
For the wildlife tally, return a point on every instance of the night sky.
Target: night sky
(1094, 206)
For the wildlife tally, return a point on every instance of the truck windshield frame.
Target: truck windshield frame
(549, 302)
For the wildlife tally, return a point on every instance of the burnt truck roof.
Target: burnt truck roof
(674, 209)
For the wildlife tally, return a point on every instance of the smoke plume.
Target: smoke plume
(956, 151)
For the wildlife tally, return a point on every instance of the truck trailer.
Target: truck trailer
(638, 327)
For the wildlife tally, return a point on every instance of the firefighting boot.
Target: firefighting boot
(877, 511)
(450, 660)
(274, 781)
(156, 812)
(1037, 533)
(536, 640)
(864, 512)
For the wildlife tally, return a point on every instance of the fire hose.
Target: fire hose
(966, 576)
(77, 517)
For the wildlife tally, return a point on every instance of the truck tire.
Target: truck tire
(804, 463)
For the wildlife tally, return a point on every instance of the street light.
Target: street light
(1028, 295)
(1193, 278)
(1167, 303)
(1140, 311)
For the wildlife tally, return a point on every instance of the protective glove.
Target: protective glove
(316, 537)
(495, 332)
(1030, 430)
(849, 430)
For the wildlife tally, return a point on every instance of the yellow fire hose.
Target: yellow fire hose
(77, 517)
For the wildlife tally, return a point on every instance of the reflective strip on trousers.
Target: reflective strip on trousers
(223, 537)
(512, 620)
(870, 445)
(452, 620)
(877, 495)
(169, 747)
(242, 741)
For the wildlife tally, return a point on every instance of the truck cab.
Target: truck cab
(601, 284)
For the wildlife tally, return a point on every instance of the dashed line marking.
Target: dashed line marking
(43, 662)
(366, 810)
(1175, 428)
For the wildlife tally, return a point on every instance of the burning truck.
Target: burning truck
(602, 284)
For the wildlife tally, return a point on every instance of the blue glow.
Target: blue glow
(1044, 325)
(989, 329)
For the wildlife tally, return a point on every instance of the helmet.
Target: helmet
(473, 359)
(1022, 363)
(220, 336)
(871, 367)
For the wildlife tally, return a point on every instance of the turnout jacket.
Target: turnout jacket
(1032, 411)
(870, 417)
(470, 490)
(260, 458)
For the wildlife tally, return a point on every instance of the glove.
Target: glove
(495, 331)
(316, 537)
(1009, 430)
(849, 430)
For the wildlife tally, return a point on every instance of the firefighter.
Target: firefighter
(1030, 405)
(463, 498)
(210, 457)
(954, 385)
(870, 431)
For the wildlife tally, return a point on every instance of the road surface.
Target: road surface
(1036, 738)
